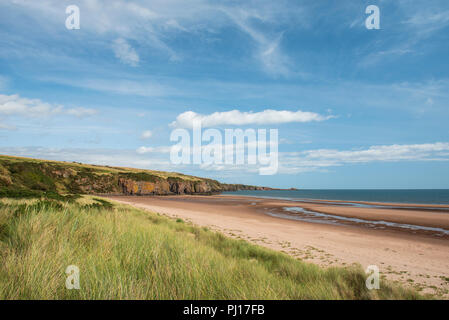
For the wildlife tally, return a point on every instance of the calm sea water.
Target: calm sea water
(427, 196)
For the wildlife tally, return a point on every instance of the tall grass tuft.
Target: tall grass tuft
(126, 253)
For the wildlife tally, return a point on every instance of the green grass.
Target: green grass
(76, 166)
(126, 253)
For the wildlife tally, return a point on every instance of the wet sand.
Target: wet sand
(414, 257)
(401, 215)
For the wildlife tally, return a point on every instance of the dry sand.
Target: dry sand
(413, 258)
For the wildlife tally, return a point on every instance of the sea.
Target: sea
(425, 196)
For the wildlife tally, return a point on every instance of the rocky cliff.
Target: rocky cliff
(23, 174)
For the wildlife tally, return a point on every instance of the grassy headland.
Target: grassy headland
(126, 253)
(24, 176)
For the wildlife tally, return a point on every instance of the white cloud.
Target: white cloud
(146, 134)
(172, 23)
(143, 150)
(125, 52)
(15, 105)
(313, 160)
(140, 87)
(81, 112)
(430, 151)
(111, 157)
(157, 150)
(236, 117)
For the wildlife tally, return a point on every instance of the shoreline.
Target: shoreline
(343, 202)
(407, 214)
(417, 259)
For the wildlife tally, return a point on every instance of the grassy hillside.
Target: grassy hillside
(22, 176)
(126, 253)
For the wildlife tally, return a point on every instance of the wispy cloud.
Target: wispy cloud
(146, 134)
(81, 112)
(237, 117)
(429, 151)
(313, 160)
(155, 23)
(289, 162)
(15, 105)
(269, 52)
(155, 150)
(125, 53)
(138, 87)
(426, 21)
(100, 156)
(323, 159)
(417, 22)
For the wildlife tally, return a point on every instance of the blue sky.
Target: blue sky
(108, 92)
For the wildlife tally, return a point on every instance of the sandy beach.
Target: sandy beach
(409, 243)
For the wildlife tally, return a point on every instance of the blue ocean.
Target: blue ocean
(425, 196)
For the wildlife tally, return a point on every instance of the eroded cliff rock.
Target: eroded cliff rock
(63, 177)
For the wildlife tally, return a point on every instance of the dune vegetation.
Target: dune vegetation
(127, 253)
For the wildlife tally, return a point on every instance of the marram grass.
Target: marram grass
(126, 253)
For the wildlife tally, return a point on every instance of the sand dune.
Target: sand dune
(414, 258)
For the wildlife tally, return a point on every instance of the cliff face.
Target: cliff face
(163, 187)
(173, 186)
(236, 187)
(62, 177)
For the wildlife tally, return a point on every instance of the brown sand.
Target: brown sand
(421, 260)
